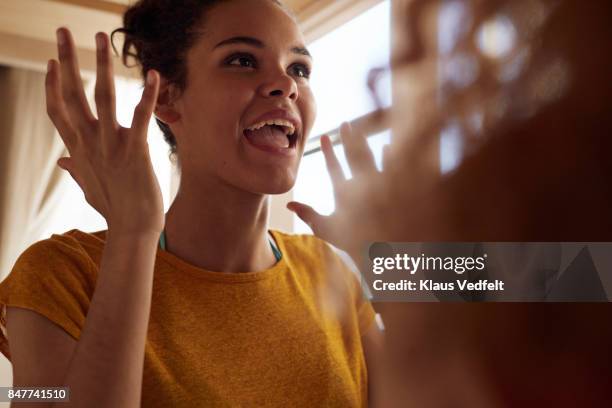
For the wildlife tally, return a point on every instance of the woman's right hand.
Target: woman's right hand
(110, 163)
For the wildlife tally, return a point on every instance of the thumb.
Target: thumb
(310, 216)
(66, 164)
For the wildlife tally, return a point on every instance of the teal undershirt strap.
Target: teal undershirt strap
(162, 240)
(277, 253)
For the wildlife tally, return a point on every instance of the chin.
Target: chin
(270, 178)
(276, 187)
(278, 184)
(279, 191)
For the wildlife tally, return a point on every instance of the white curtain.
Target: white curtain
(30, 181)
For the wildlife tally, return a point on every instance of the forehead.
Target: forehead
(261, 19)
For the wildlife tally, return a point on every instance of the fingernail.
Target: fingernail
(61, 37)
(49, 65)
(150, 77)
(100, 43)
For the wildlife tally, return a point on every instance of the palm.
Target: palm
(110, 163)
(351, 224)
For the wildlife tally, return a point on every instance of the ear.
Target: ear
(165, 109)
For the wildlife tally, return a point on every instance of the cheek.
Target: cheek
(215, 108)
(308, 108)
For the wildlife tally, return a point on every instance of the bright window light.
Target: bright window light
(314, 185)
(342, 60)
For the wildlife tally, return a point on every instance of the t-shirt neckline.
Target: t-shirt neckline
(181, 266)
(228, 277)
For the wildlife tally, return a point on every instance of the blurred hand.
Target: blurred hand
(110, 163)
(356, 219)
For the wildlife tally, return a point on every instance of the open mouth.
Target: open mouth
(273, 135)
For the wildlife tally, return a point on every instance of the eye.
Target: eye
(241, 60)
(300, 70)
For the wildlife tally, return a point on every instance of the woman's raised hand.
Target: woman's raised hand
(355, 219)
(110, 163)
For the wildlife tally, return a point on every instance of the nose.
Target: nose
(279, 85)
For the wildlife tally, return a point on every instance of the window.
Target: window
(342, 61)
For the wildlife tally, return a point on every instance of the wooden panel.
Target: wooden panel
(295, 5)
(33, 54)
(111, 6)
(27, 27)
(318, 17)
(27, 32)
(40, 18)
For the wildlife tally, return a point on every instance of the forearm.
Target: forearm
(107, 367)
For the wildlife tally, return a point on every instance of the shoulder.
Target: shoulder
(302, 245)
(316, 256)
(331, 271)
(71, 255)
(54, 277)
(73, 244)
(67, 243)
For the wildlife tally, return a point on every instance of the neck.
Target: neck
(217, 227)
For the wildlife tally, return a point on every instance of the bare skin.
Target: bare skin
(224, 182)
(224, 188)
(111, 164)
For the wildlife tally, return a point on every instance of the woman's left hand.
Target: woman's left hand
(354, 221)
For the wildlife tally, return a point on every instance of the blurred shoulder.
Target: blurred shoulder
(307, 250)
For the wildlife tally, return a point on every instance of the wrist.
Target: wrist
(133, 234)
(126, 227)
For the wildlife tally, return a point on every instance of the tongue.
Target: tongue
(268, 136)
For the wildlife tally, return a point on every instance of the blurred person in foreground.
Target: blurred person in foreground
(536, 129)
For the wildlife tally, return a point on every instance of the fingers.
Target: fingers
(331, 161)
(67, 164)
(71, 83)
(144, 109)
(310, 216)
(358, 153)
(56, 109)
(386, 157)
(105, 85)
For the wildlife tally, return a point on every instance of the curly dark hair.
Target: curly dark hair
(158, 35)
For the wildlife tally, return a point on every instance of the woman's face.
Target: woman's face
(249, 68)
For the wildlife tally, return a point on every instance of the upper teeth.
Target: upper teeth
(289, 128)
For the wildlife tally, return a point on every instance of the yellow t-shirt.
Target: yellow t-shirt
(288, 336)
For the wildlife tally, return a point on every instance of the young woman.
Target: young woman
(219, 311)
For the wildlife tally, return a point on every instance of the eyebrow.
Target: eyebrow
(259, 44)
